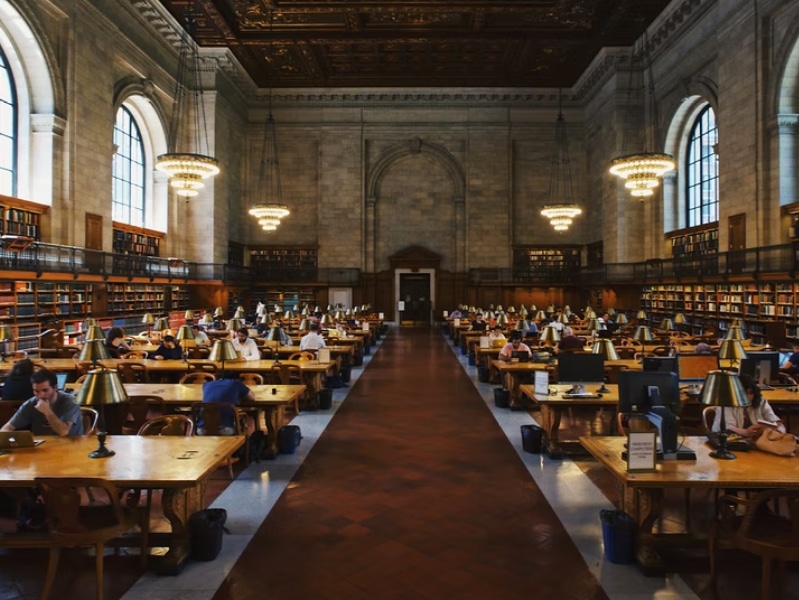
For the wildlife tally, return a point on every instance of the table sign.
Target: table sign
(323, 355)
(446, 314)
(485, 342)
(401, 305)
(541, 383)
(641, 450)
(365, 326)
(381, 316)
(456, 322)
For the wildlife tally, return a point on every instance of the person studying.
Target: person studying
(515, 347)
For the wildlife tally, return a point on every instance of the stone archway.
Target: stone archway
(389, 158)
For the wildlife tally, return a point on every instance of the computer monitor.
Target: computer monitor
(666, 364)
(655, 395)
(520, 355)
(768, 365)
(693, 368)
(604, 334)
(581, 369)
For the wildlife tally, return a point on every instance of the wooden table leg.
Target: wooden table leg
(648, 503)
(178, 506)
(513, 390)
(550, 422)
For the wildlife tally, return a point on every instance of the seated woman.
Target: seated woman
(115, 342)
(749, 421)
(18, 385)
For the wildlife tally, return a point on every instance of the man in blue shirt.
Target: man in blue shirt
(228, 388)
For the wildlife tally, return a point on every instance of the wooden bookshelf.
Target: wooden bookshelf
(545, 263)
(21, 218)
(235, 254)
(134, 298)
(694, 242)
(136, 241)
(284, 257)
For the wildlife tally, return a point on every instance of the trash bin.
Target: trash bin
(532, 438)
(483, 374)
(325, 397)
(501, 398)
(471, 360)
(618, 536)
(288, 438)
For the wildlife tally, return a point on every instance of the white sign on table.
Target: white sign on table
(641, 450)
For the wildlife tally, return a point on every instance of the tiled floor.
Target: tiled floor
(411, 491)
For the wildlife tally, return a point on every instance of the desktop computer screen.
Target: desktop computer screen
(693, 368)
(581, 369)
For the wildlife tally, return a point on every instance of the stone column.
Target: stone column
(370, 239)
(460, 235)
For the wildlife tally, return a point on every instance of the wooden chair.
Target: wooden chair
(177, 425)
(132, 372)
(140, 409)
(304, 355)
(73, 525)
(708, 416)
(197, 353)
(251, 378)
(288, 375)
(758, 531)
(267, 353)
(81, 379)
(90, 417)
(197, 377)
(211, 415)
(83, 367)
(135, 355)
(203, 367)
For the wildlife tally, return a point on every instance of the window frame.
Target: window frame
(13, 167)
(701, 179)
(130, 163)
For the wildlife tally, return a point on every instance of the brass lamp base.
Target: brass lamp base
(721, 453)
(102, 451)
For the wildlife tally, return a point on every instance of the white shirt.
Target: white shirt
(312, 341)
(248, 350)
(201, 339)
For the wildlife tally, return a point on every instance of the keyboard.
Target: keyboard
(581, 395)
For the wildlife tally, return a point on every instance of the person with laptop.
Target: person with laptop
(312, 340)
(792, 364)
(513, 348)
(49, 411)
(230, 389)
(749, 421)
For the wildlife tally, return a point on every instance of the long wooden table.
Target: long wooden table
(178, 465)
(642, 492)
(271, 405)
(553, 405)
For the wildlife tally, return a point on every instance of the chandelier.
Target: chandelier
(270, 212)
(187, 162)
(562, 209)
(642, 171)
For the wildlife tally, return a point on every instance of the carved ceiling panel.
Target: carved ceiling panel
(422, 43)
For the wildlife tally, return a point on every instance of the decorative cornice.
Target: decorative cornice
(785, 123)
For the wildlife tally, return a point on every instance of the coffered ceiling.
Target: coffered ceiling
(417, 43)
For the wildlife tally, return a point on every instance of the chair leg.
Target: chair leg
(145, 530)
(52, 567)
(98, 568)
(688, 509)
(765, 591)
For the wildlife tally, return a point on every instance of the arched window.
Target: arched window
(128, 172)
(702, 170)
(8, 130)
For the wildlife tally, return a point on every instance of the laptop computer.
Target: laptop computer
(61, 380)
(17, 439)
(522, 355)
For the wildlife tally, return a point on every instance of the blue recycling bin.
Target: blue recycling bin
(618, 536)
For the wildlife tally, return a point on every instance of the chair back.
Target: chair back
(138, 410)
(267, 353)
(286, 374)
(135, 355)
(197, 377)
(90, 417)
(131, 372)
(304, 355)
(251, 378)
(708, 416)
(203, 367)
(177, 425)
(71, 524)
(210, 413)
(8, 408)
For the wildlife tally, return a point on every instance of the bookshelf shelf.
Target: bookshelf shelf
(550, 263)
(136, 241)
(20, 219)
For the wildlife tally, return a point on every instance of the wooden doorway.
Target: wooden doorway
(415, 296)
(94, 242)
(736, 245)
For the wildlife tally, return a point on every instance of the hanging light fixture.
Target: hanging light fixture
(187, 161)
(561, 209)
(642, 171)
(271, 210)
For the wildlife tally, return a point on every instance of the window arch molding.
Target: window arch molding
(783, 106)
(40, 98)
(702, 93)
(136, 95)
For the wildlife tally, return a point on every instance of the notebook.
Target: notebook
(17, 439)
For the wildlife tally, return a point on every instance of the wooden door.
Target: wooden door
(415, 293)
(94, 242)
(736, 243)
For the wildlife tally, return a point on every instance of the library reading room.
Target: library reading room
(398, 300)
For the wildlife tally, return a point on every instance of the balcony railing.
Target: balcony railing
(42, 258)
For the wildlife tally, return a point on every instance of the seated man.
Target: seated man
(792, 364)
(200, 337)
(228, 388)
(246, 346)
(515, 345)
(312, 340)
(169, 349)
(496, 334)
(49, 412)
(479, 323)
(569, 341)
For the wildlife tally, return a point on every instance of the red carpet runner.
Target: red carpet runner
(412, 492)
